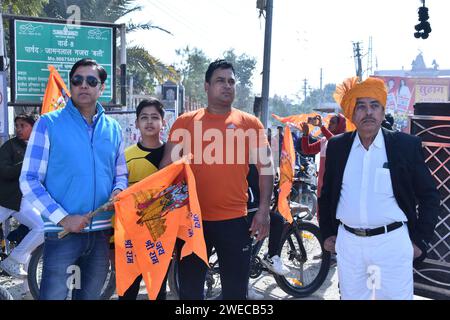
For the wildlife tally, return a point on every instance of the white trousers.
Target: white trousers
(378, 267)
(29, 216)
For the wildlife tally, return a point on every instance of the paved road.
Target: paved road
(264, 285)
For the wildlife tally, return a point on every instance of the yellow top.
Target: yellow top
(142, 162)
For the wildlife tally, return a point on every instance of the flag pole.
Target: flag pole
(90, 215)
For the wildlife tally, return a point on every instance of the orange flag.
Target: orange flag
(150, 215)
(56, 93)
(287, 163)
(297, 119)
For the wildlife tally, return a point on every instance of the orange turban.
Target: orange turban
(351, 89)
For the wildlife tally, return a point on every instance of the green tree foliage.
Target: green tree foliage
(244, 67)
(145, 69)
(317, 96)
(192, 68)
(92, 10)
(283, 106)
(148, 71)
(194, 63)
(23, 7)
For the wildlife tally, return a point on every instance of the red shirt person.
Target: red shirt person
(336, 126)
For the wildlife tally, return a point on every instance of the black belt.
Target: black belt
(373, 232)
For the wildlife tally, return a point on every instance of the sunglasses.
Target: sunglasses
(90, 80)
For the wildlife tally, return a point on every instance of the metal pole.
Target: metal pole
(123, 66)
(131, 103)
(266, 63)
(4, 103)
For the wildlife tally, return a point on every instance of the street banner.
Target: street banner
(39, 44)
(404, 92)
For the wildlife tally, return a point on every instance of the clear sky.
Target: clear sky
(307, 35)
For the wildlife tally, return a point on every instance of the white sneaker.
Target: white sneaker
(253, 295)
(275, 265)
(13, 268)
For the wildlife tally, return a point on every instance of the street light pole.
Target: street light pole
(266, 63)
(123, 66)
(2, 48)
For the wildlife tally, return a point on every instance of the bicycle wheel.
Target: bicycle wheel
(35, 276)
(5, 295)
(110, 284)
(35, 271)
(213, 289)
(302, 252)
(213, 285)
(305, 203)
(172, 278)
(309, 199)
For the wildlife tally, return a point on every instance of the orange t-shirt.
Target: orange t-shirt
(220, 145)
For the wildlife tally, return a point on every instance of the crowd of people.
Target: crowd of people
(69, 162)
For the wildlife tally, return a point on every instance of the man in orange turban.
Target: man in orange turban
(351, 89)
(379, 203)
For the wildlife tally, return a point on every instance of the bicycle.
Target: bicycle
(300, 249)
(11, 239)
(304, 187)
(35, 276)
(34, 265)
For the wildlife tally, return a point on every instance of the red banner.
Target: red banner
(404, 92)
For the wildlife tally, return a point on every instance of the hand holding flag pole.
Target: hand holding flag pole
(90, 215)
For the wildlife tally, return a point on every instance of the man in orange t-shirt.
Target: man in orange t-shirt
(223, 142)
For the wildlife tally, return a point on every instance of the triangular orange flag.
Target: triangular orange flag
(56, 93)
(296, 121)
(287, 163)
(150, 215)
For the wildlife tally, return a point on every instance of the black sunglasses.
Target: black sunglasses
(78, 81)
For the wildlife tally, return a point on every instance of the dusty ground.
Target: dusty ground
(265, 285)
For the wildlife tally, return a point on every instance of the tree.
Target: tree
(244, 67)
(26, 8)
(92, 10)
(194, 63)
(140, 61)
(283, 106)
(317, 96)
(145, 69)
(31, 8)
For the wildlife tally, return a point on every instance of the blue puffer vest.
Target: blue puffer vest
(81, 170)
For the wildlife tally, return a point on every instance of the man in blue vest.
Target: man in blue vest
(74, 163)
